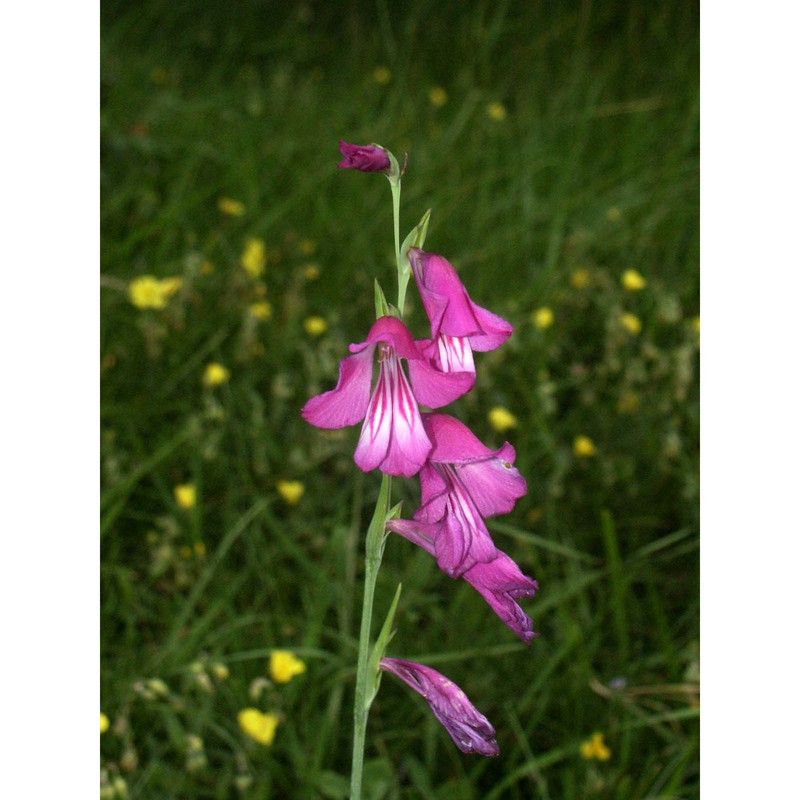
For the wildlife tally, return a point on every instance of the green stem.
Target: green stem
(402, 280)
(374, 554)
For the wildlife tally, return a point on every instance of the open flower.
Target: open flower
(366, 157)
(458, 326)
(392, 438)
(462, 482)
(468, 728)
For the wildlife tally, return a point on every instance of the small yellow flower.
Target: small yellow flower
(438, 96)
(215, 374)
(501, 419)
(257, 725)
(382, 75)
(290, 491)
(583, 447)
(614, 214)
(220, 670)
(580, 278)
(261, 310)
(104, 723)
(696, 324)
(311, 272)
(496, 111)
(633, 281)
(148, 291)
(631, 323)
(199, 549)
(595, 747)
(254, 257)
(206, 267)
(542, 317)
(185, 495)
(284, 665)
(315, 326)
(231, 207)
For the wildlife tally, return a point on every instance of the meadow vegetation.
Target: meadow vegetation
(557, 145)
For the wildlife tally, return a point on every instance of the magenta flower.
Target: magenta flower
(458, 326)
(462, 482)
(366, 157)
(393, 438)
(468, 728)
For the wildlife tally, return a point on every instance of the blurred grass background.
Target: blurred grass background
(557, 144)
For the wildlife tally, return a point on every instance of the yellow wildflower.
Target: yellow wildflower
(104, 723)
(290, 491)
(258, 725)
(496, 111)
(632, 281)
(220, 670)
(437, 96)
(254, 257)
(583, 447)
(580, 278)
(206, 267)
(501, 419)
(284, 665)
(315, 326)
(311, 272)
(231, 207)
(542, 317)
(199, 549)
(631, 323)
(614, 214)
(261, 310)
(595, 747)
(215, 374)
(696, 324)
(148, 291)
(185, 495)
(382, 75)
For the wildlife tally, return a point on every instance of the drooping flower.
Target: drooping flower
(392, 438)
(365, 157)
(458, 325)
(468, 728)
(462, 482)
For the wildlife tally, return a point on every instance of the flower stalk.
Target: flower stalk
(376, 538)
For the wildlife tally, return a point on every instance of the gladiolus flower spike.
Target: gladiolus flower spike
(468, 728)
(392, 437)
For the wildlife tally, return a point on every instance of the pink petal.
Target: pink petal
(453, 441)
(494, 484)
(434, 388)
(393, 437)
(347, 403)
(449, 306)
(463, 539)
(393, 332)
(420, 533)
(501, 583)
